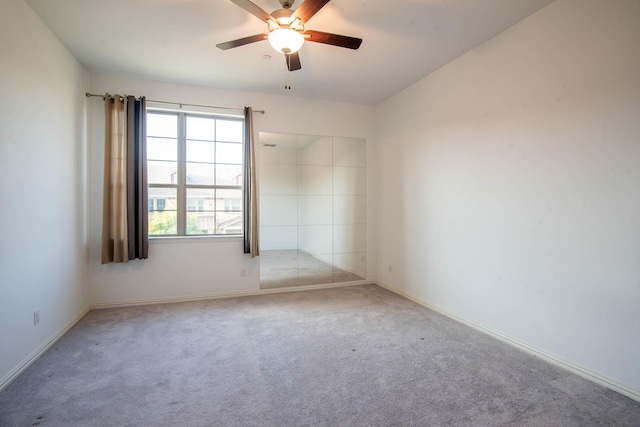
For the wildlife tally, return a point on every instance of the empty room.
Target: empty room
(320, 213)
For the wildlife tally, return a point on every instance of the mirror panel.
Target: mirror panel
(312, 209)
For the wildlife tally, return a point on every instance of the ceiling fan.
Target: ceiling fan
(287, 32)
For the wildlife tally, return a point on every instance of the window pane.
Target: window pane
(229, 130)
(162, 125)
(162, 172)
(195, 204)
(201, 216)
(229, 222)
(232, 200)
(200, 173)
(200, 151)
(201, 199)
(162, 149)
(228, 153)
(166, 194)
(228, 175)
(232, 205)
(163, 219)
(163, 223)
(200, 128)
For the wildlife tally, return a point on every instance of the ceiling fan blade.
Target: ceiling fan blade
(293, 61)
(256, 11)
(333, 39)
(242, 41)
(307, 9)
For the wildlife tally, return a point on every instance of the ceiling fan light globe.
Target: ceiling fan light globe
(286, 40)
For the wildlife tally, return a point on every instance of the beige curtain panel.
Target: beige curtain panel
(124, 215)
(114, 209)
(250, 211)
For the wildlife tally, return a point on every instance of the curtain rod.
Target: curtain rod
(88, 95)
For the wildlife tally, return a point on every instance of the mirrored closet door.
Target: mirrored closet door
(312, 209)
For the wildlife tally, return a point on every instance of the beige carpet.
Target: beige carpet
(351, 356)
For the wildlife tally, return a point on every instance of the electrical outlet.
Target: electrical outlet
(390, 268)
(36, 317)
(243, 271)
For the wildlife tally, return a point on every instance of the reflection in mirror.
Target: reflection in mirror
(312, 209)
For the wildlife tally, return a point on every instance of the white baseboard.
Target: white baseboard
(555, 360)
(132, 303)
(13, 374)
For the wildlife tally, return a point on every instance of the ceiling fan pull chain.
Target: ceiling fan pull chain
(287, 77)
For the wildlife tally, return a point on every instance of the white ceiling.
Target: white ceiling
(174, 40)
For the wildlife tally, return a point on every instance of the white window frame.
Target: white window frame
(182, 186)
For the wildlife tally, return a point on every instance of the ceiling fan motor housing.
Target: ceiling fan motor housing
(283, 16)
(287, 3)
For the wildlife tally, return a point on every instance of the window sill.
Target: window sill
(220, 238)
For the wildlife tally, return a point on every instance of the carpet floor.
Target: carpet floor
(350, 356)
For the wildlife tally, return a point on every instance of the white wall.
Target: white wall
(43, 254)
(509, 186)
(187, 268)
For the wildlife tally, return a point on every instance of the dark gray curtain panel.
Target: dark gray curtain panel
(137, 199)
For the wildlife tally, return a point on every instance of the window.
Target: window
(194, 165)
